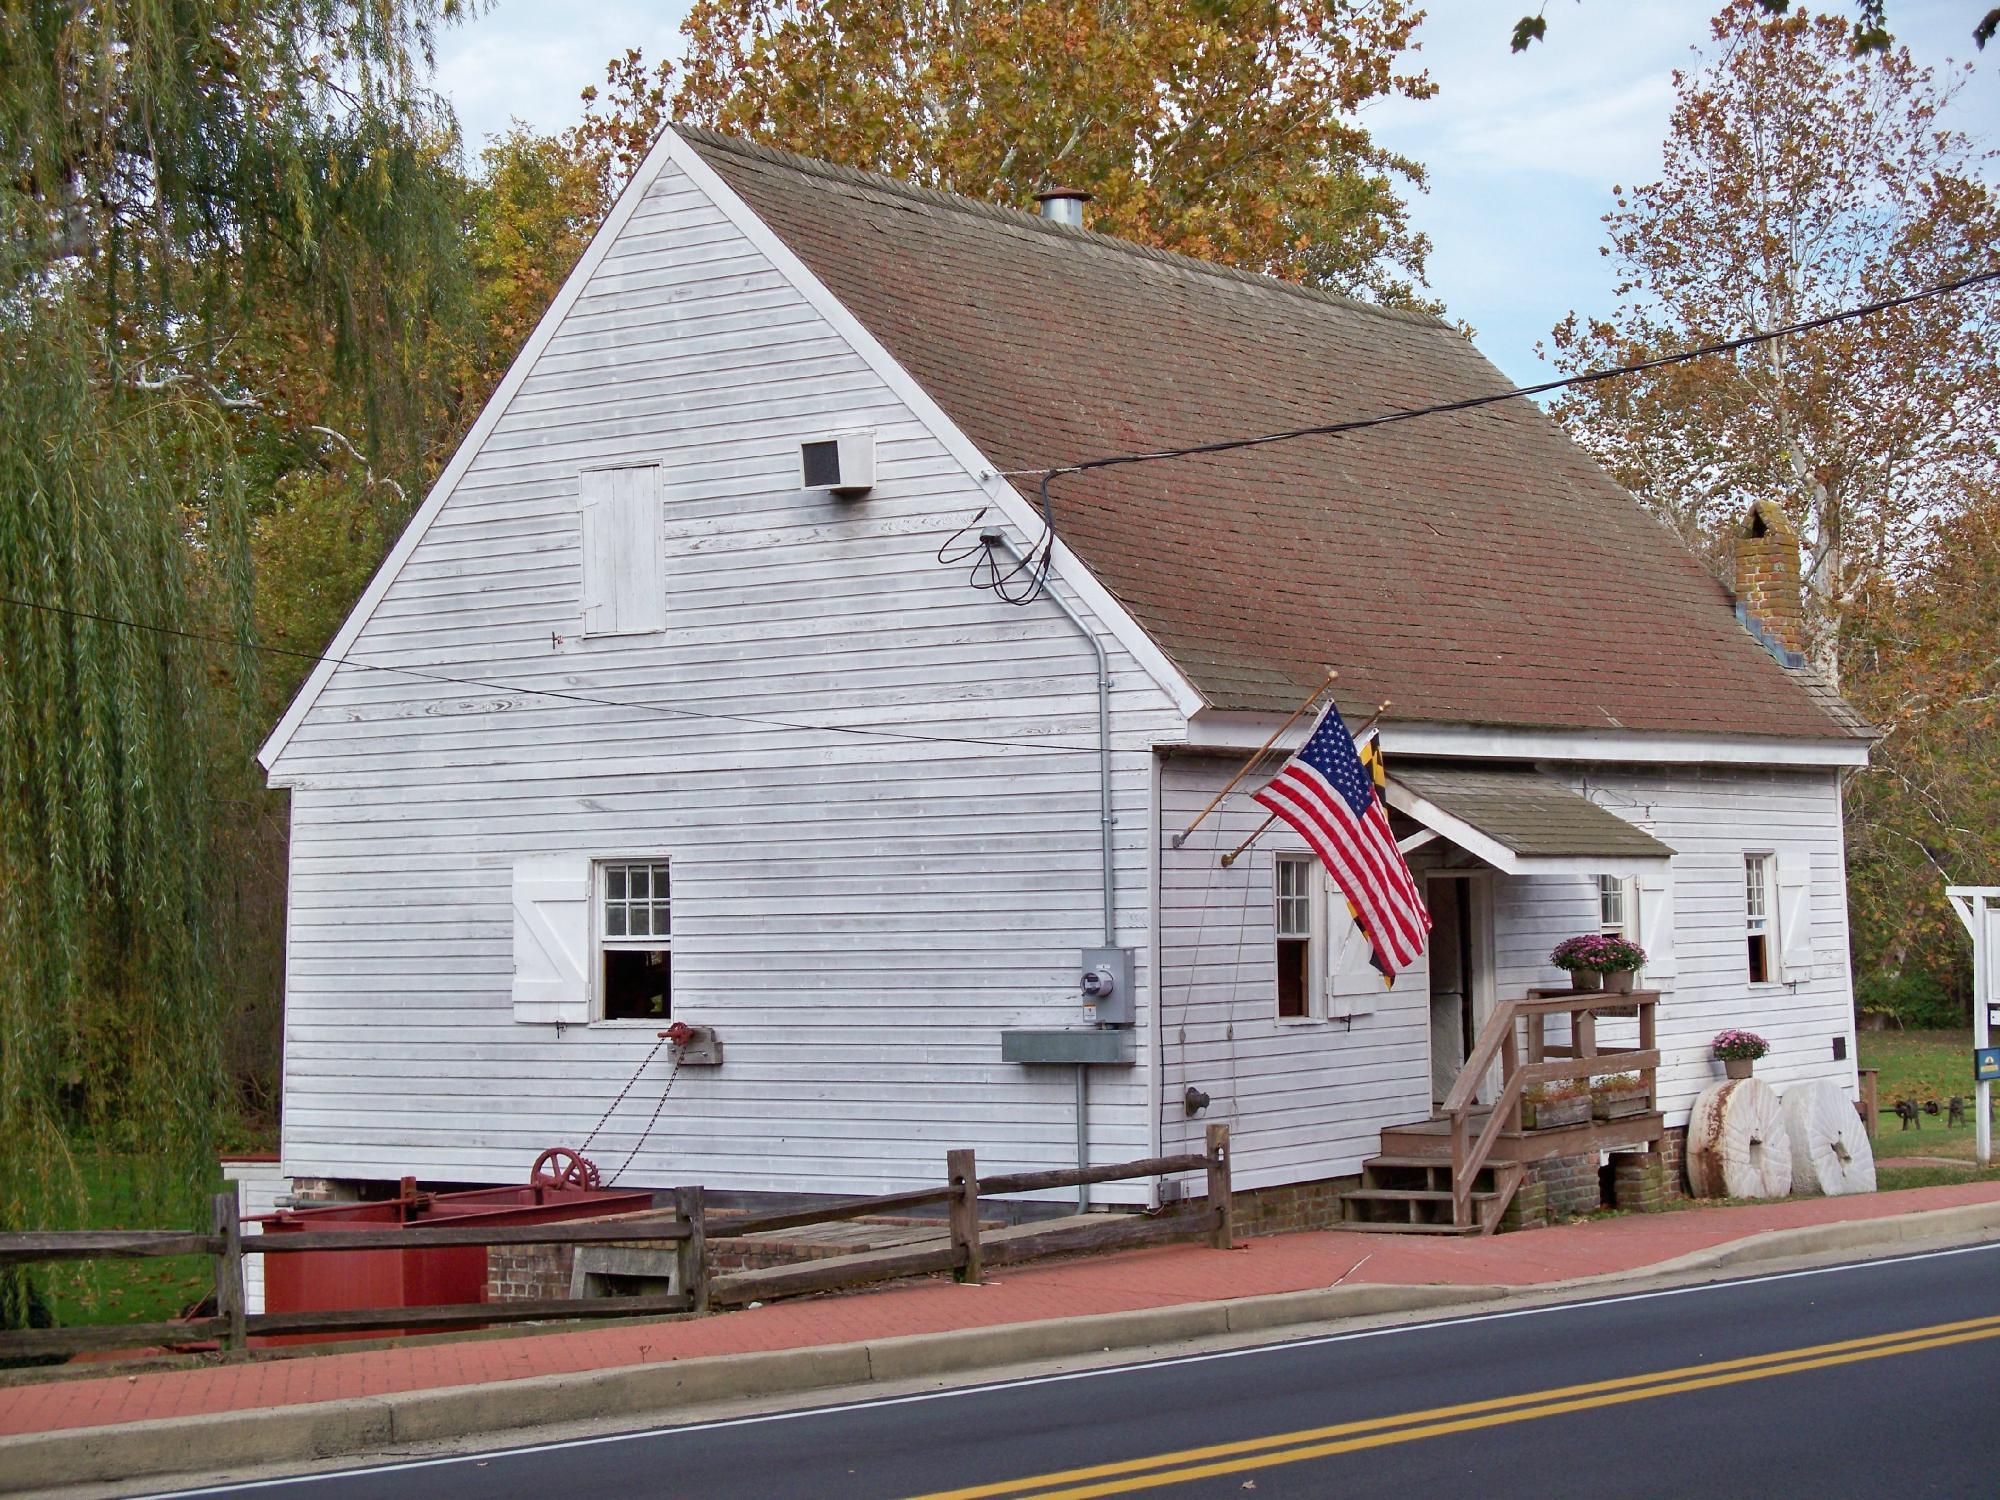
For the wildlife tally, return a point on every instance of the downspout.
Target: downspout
(1000, 540)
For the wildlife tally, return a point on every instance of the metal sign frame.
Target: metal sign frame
(1978, 907)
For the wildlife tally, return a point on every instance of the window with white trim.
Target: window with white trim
(634, 941)
(1614, 907)
(1293, 887)
(1760, 907)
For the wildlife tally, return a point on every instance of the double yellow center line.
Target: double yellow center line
(1249, 1454)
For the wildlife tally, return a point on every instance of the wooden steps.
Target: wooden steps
(1404, 1194)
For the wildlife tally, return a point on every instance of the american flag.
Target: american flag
(1324, 792)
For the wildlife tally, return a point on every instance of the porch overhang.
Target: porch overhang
(1523, 823)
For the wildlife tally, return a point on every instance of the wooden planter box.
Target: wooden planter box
(1620, 1103)
(1553, 1114)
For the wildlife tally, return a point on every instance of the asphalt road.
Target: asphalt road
(1719, 1391)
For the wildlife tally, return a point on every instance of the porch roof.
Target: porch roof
(1522, 822)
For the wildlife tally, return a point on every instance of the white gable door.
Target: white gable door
(1795, 930)
(552, 939)
(1656, 926)
(624, 577)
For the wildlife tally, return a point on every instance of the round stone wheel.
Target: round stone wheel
(1830, 1149)
(1737, 1146)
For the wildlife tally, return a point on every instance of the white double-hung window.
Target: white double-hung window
(1760, 905)
(635, 941)
(1323, 964)
(1614, 905)
(1293, 876)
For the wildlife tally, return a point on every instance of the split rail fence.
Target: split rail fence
(683, 1222)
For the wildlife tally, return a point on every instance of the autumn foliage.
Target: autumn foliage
(1799, 177)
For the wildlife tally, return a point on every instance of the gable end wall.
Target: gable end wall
(858, 917)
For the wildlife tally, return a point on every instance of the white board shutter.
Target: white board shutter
(624, 577)
(1795, 928)
(552, 939)
(1353, 984)
(1656, 926)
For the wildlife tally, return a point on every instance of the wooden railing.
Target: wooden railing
(680, 1221)
(963, 1254)
(1579, 1059)
(231, 1326)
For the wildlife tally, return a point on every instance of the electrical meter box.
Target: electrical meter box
(1107, 986)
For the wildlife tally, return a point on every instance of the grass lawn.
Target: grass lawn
(1924, 1066)
(124, 1291)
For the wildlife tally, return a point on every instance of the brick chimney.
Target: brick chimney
(1767, 575)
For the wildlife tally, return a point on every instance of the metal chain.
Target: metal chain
(672, 1073)
(624, 1091)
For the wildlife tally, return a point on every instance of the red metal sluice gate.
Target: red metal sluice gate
(329, 1280)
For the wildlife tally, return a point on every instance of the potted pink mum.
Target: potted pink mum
(1599, 960)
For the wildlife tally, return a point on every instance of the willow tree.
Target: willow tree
(229, 227)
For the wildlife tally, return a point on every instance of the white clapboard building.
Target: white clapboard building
(717, 693)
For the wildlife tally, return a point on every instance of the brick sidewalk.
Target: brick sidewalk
(1021, 1294)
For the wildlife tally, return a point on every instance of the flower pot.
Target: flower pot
(1619, 1103)
(1620, 983)
(1585, 979)
(1553, 1114)
(1739, 1067)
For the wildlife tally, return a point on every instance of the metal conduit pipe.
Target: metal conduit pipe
(1000, 540)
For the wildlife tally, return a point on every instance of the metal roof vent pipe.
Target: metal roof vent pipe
(1062, 205)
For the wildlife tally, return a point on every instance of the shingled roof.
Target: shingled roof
(1474, 568)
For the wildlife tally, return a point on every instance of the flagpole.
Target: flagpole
(1237, 853)
(1262, 750)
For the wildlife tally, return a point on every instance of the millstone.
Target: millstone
(1830, 1150)
(1737, 1146)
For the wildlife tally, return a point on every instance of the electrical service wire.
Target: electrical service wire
(490, 685)
(1035, 564)
(1045, 545)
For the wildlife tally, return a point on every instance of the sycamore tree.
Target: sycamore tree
(229, 236)
(1799, 177)
(1223, 129)
(1926, 662)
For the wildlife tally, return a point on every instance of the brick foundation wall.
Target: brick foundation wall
(1673, 1153)
(524, 1272)
(1638, 1182)
(1572, 1185)
(1289, 1207)
(1529, 1207)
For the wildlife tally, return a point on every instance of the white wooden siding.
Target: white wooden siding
(1302, 1099)
(857, 915)
(1307, 1100)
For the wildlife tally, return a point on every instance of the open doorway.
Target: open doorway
(1461, 972)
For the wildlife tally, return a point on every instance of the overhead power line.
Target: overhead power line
(491, 685)
(1035, 566)
(1472, 403)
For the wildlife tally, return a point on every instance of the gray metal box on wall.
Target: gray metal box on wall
(1107, 986)
(1089, 1046)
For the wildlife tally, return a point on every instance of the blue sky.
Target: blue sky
(1523, 150)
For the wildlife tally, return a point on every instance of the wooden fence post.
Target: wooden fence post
(1218, 1187)
(963, 1174)
(693, 1249)
(228, 1223)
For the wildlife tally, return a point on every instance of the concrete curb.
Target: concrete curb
(236, 1440)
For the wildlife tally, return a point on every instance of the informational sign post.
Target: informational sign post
(1978, 907)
